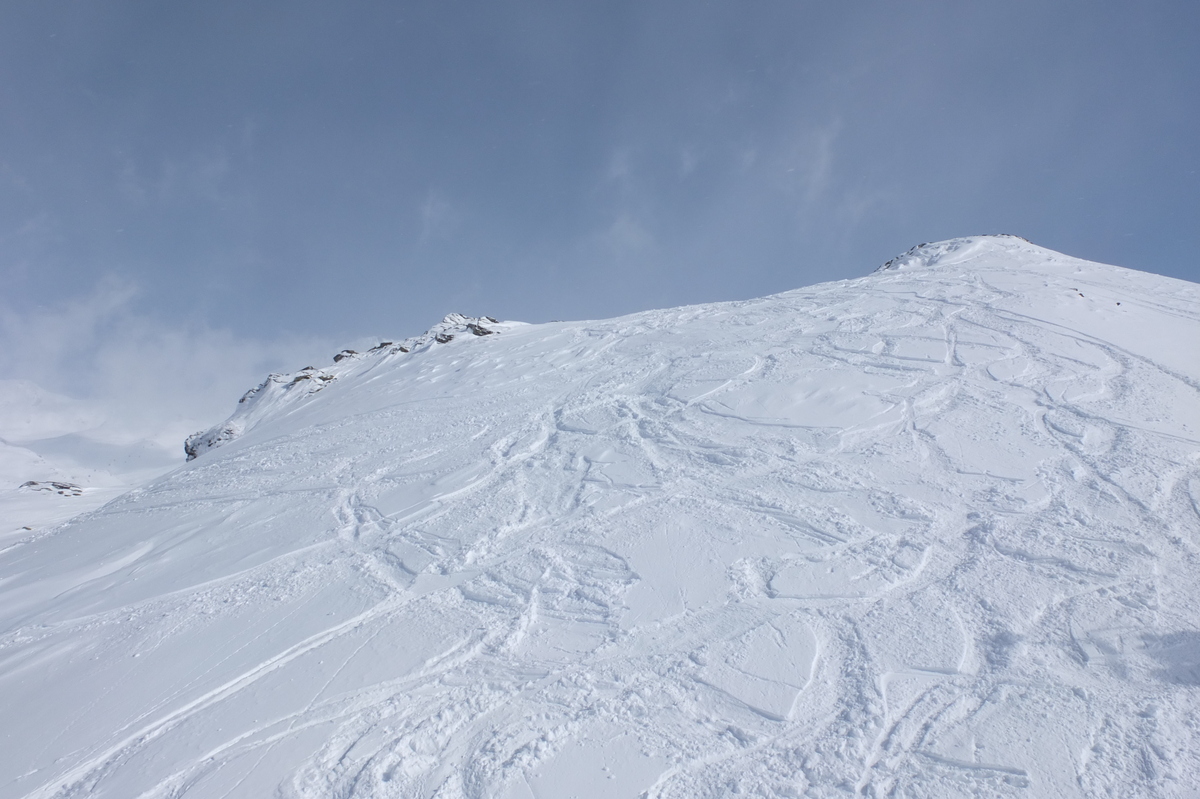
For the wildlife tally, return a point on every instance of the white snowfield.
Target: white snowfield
(934, 532)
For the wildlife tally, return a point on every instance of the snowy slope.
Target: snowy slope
(932, 532)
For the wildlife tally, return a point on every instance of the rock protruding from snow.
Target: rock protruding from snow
(445, 331)
(54, 486)
(205, 440)
(284, 390)
(952, 250)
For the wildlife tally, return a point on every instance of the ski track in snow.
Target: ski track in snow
(933, 532)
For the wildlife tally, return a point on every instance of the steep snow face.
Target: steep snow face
(932, 532)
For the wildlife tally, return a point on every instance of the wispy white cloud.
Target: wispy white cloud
(620, 168)
(439, 217)
(809, 160)
(29, 412)
(131, 376)
(627, 236)
(689, 159)
(207, 175)
(821, 161)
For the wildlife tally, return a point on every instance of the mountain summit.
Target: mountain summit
(931, 532)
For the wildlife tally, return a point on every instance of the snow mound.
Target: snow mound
(282, 391)
(933, 532)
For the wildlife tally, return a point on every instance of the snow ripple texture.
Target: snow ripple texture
(934, 532)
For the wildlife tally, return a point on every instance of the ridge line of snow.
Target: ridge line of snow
(287, 389)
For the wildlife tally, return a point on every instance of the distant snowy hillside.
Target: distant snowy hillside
(46, 438)
(934, 532)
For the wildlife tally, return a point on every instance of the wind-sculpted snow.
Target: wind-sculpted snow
(934, 532)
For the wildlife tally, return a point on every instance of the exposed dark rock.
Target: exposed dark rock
(322, 378)
(207, 439)
(65, 489)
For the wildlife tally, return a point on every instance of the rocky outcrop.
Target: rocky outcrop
(930, 253)
(284, 390)
(53, 486)
(205, 440)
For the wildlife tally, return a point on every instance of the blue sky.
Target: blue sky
(285, 177)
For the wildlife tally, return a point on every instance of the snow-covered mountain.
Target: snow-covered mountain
(933, 532)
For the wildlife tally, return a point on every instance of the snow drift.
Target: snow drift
(931, 532)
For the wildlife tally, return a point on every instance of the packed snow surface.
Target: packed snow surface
(933, 532)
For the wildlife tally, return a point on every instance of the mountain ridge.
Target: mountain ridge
(932, 532)
(284, 388)
(281, 390)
